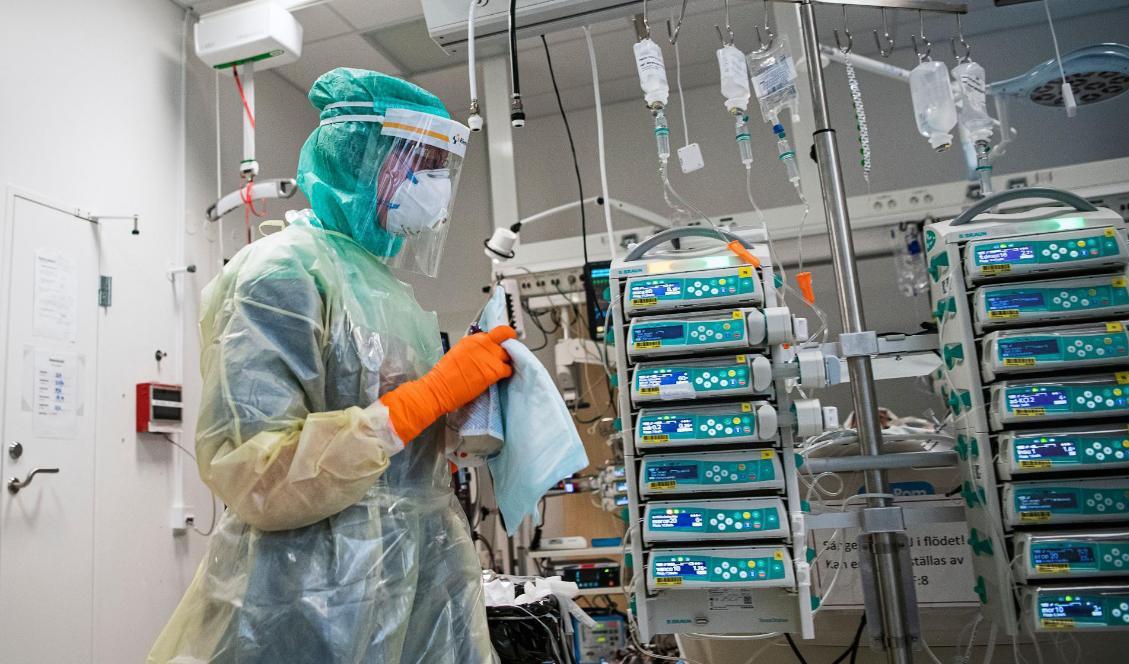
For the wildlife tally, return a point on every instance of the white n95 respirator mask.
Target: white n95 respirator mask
(420, 203)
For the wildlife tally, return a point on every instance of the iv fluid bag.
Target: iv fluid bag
(734, 78)
(909, 259)
(972, 111)
(933, 104)
(773, 74)
(652, 72)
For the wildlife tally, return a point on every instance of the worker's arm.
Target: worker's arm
(266, 442)
(267, 445)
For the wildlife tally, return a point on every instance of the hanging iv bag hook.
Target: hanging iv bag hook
(967, 55)
(765, 42)
(885, 45)
(673, 36)
(847, 31)
(728, 28)
(646, 34)
(922, 56)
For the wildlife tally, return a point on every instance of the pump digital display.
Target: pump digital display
(659, 427)
(1046, 450)
(1037, 399)
(997, 255)
(1028, 347)
(671, 288)
(656, 333)
(684, 566)
(1015, 300)
(657, 473)
(1077, 607)
(1045, 501)
(660, 378)
(1062, 555)
(680, 518)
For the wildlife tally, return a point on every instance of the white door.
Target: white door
(49, 282)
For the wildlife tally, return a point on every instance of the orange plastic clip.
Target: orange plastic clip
(744, 254)
(804, 281)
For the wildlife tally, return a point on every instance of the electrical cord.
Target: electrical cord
(212, 525)
(795, 648)
(853, 649)
(516, 114)
(571, 149)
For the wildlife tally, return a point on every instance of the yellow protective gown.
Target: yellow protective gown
(339, 544)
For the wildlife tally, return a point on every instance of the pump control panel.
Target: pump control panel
(705, 289)
(738, 519)
(754, 470)
(726, 376)
(700, 426)
(1064, 450)
(1071, 397)
(733, 330)
(762, 566)
(1013, 257)
(1056, 609)
(1053, 349)
(1065, 501)
(1065, 555)
(1013, 304)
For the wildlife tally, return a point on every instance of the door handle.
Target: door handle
(14, 483)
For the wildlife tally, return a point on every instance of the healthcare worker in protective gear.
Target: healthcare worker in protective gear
(325, 391)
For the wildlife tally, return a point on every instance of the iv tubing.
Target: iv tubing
(471, 74)
(600, 141)
(681, 97)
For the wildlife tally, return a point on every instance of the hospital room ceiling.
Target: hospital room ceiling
(391, 36)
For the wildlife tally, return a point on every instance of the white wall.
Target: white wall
(91, 118)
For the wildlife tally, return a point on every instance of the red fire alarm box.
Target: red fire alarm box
(160, 408)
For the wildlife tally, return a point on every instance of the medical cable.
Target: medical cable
(927, 649)
(1067, 90)
(853, 648)
(571, 149)
(474, 121)
(517, 114)
(795, 648)
(681, 97)
(211, 526)
(600, 141)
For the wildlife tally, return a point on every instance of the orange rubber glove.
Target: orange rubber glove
(467, 370)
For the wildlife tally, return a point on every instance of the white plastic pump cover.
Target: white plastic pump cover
(652, 72)
(734, 78)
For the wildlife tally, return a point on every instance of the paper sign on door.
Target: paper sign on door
(56, 306)
(56, 393)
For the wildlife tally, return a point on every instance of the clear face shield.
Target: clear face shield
(406, 186)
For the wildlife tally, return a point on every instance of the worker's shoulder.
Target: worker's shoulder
(293, 248)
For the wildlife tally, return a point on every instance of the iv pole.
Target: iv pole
(884, 549)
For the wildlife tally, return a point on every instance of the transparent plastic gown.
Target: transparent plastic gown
(337, 546)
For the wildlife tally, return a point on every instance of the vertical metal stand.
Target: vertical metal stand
(894, 597)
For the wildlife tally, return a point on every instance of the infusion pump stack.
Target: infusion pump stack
(702, 354)
(1032, 311)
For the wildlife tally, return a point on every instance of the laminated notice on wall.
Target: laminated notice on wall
(940, 554)
(55, 310)
(55, 392)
